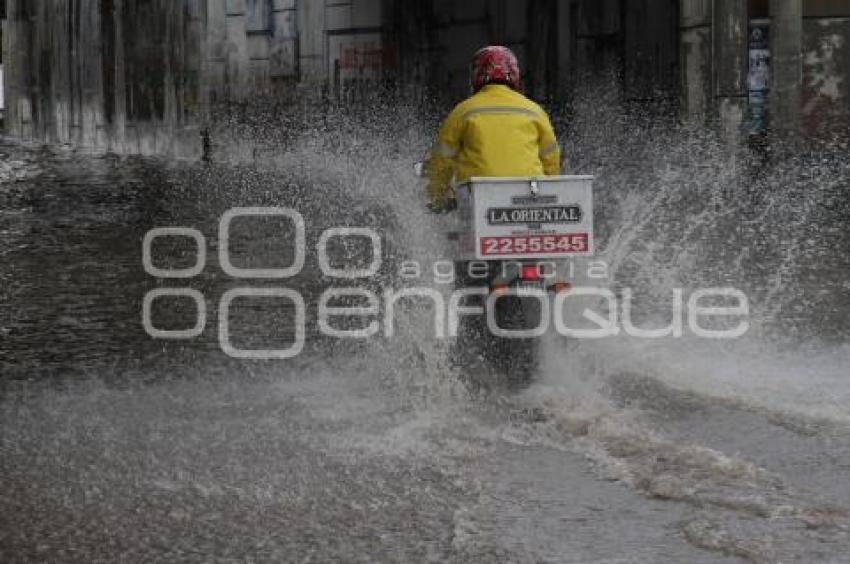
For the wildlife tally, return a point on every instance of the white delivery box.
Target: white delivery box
(546, 217)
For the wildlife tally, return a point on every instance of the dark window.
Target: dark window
(759, 9)
(825, 8)
(258, 16)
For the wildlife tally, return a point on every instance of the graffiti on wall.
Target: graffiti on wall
(358, 61)
(826, 78)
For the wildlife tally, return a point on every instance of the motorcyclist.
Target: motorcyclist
(495, 132)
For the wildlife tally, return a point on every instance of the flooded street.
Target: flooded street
(118, 446)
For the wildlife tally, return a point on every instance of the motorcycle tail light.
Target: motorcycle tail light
(530, 272)
(499, 289)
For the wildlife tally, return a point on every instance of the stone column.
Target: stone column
(730, 60)
(7, 73)
(695, 58)
(237, 51)
(786, 37)
(310, 15)
(16, 61)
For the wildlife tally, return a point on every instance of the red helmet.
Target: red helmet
(494, 64)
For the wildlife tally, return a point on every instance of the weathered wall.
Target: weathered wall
(651, 62)
(251, 48)
(826, 74)
(730, 62)
(810, 61)
(696, 54)
(713, 58)
(120, 75)
(596, 28)
(786, 40)
(559, 43)
(141, 76)
(2, 49)
(358, 52)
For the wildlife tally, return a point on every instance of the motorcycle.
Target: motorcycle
(514, 239)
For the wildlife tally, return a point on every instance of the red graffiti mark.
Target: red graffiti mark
(366, 57)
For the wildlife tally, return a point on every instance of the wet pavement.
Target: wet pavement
(118, 446)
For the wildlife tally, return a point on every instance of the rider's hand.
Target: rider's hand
(447, 206)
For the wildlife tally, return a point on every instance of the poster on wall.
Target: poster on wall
(758, 76)
(357, 62)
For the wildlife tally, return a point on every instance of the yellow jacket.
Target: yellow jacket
(495, 132)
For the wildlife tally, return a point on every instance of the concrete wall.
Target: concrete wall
(121, 75)
(786, 38)
(251, 48)
(141, 76)
(810, 66)
(596, 31)
(357, 53)
(651, 62)
(696, 56)
(713, 57)
(730, 62)
(559, 43)
(342, 44)
(825, 95)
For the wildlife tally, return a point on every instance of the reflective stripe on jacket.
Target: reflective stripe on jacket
(495, 132)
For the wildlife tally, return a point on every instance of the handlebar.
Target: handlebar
(449, 206)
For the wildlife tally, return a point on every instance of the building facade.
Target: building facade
(141, 76)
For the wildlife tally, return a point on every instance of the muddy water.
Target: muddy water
(116, 445)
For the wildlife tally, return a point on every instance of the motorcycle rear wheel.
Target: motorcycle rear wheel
(511, 362)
